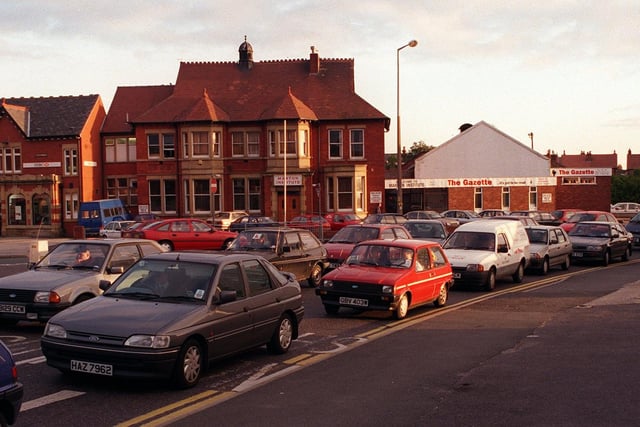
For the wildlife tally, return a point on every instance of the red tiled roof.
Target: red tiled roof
(129, 102)
(263, 92)
(588, 160)
(48, 117)
(633, 161)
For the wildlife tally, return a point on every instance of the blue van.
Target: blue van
(96, 214)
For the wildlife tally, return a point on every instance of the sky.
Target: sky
(566, 71)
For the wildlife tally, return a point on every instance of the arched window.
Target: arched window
(17, 210)
(41, 209)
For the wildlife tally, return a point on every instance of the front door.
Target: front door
(293, 206)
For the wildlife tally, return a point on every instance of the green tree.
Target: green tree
(416, 149)
(625, 188)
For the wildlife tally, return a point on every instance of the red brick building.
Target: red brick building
(246, 135)
(50, 161)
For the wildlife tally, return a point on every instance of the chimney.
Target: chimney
(314, 61)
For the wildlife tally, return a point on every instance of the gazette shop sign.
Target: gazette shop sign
(562, 172)
(473, 182)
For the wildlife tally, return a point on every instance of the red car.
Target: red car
(389, 275)
(340, 220)
(184, 234)
(588, 216)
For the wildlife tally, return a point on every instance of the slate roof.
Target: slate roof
(50, 117)
(226, 92)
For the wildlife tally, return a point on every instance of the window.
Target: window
(71, 205)
(245, 144)
(533, 198)
(257, 277)
(290, 148)
(11, 160)
(345, 191)
(41, 207)
(357, 143)
(17, 210)
(123, 188)
(161, 143)
(200, 197)
(477, 198)
(506, 198)
(231, 280)
(578, 180)
(200, 144)
(70, 161)
(162, 195)
(335, 143)
(120, 150)
(247, 194)
(359, 195)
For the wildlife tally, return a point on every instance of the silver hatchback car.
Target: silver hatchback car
(550, 246)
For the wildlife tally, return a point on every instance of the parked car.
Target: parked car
(66, 276)
(563, 215)
(339, 220)
(463, 216)
(600, 241)
(114, 229)
(633, 227)
(128, 232)
(550, 246)
(95, 214)
(541, 217)
(185, 234)
(449, 223)
(222, 220)
(252, 221)
(389, 275)
(492, 212)
(340, 245)
(588, 216)
(525, 220)
(145, 217)
(384, 218)
(625, 209)
(11, 390)
(427, 229)
(315, 223)
(482, 251)
(211, 306)
(294, 250)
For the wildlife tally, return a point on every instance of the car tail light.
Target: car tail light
(54, 298)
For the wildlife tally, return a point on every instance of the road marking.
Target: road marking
(51, 398)
(33, 361)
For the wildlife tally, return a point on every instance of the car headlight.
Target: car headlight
(148, 341)
(536, 255)
(327, 283)
(46, 297)
(475, 267)
(594, 248)
(387, 289)
(55, 331)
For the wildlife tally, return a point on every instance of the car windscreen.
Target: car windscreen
(354, 235)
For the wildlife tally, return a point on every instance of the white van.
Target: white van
(485, 250)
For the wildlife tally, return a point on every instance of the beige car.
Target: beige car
(67, 275)
(222, 220)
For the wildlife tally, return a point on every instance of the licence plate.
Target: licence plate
(457, 275)
(354, 301)
(577, 254)
(10, 308)
(91, 368)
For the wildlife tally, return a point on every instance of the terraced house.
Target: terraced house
(278, 137)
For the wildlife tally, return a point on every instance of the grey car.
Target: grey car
(293, 250)
(550, 246)
(68, 274)
(171, 314)
(600, 241)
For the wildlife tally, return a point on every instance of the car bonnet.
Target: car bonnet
(46, 279)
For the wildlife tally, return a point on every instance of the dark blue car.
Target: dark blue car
(11, 390)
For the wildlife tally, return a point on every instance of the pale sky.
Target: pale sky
(567, 71)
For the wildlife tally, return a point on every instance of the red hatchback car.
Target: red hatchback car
(185, 234)
(389, 275)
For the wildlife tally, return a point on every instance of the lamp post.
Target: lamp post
(412, 43)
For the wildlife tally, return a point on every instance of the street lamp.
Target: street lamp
(412, 43)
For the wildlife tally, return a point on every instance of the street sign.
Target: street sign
(214, 185)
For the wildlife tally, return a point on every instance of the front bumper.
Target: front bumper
(10, 310)
(463, 276)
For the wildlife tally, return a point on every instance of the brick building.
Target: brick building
(51, 160)
(246, 135)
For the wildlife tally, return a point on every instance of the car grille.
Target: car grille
(103, 340)
(17, 295)
(357, 288)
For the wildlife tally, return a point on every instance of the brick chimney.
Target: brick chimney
(314, 61)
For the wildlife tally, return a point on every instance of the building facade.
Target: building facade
(50, 161)
(279, 138)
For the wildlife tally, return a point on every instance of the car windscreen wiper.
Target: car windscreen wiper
(141, 295)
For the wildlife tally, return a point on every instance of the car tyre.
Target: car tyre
(189, 365)
(490, 283)
(627, 254)
(316, 276)
(443, 296)
(167, 245)
(545, 267)
(282, 336)
(519, 274)
(226, 244)
(567, 262)
(331, 309)
(606, 258)
(402, 308)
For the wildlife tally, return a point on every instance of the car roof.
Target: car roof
(373, 225)
(405, 243)
(203, 257)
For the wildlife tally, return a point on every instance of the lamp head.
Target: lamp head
(413, 43)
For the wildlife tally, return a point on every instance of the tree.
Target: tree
(416, 149)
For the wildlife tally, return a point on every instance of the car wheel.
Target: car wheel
(627, 254)
(82, 298)
(282, 336)
(403, 307)
(443, 296)
(167, 245)
(519, 274)
(316, 276)
(490, 284)
(189, 365)
(331, 309)
(567, 262)
(226, 244)
(545, 267)
(606, 258)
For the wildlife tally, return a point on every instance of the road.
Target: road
(556, 350)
